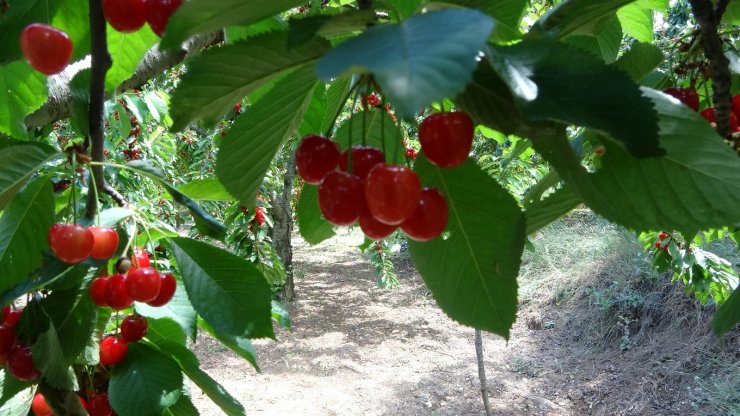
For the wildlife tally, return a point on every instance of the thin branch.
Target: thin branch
(482, 370)
(117, 196)
(101, 62)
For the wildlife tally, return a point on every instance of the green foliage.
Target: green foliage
(312, 226)
(16, 104)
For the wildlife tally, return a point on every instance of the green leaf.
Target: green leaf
(637, 20)
(18, 405)
(23, 229)
(312, 226)
(507, 13)
(640, 60)
(145, 383)
(49, 359)
(164, 329)
(183, 407)
(574, 16)
(303, 29)
(377, 125)
(22, 91)
(112, 216)
(426, 58)
(222, 76)
(198, 16)
(178, 309)
(732, 13)
(315, 113)
(205, 190)
(127, 50)
(541, 212)
(336, 98)
(256, 136)
(80, 92)
(605, 44)
(472, 271)
(695, 186)
(281, 315)
(205, 222)
(10, 386)
(21, 13)
(728, 314)
(18, 161)
(73, 17)
(556, 82)
(191, 367)
(227, 291)
(74, 315)
(235, 34)
(63, 401)
(240, 345)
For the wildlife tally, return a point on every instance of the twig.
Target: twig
(482, 371)
(101, 62)
(708, 19)
(113, 193)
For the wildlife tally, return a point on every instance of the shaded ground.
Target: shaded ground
(359, 350)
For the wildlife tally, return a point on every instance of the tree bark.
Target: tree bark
(482, 370)
(282, 214)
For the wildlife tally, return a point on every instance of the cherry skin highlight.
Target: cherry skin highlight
(105, 242)
(112, 350)
(392, 193)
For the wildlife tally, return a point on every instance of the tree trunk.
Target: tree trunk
(282, 214)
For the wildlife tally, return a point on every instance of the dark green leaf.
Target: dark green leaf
(472, 271)
(227, 291)
(49, 359)
(177, 309)
(74, 315)
(640, 60)
(16, 103)
(426, 58)
(256, 136)
(605, 44)
(302, 30)
(183, 407)
(52, 273)
(235, 34)
(126, 50)
(541, 212)
(23, 229)
(240, 345)
(575, 16)
(728, 315)
(198, 16)
(336, 98)
(10, 386)
(222, 76)
(206, 190)
(145, 382)
(507, 13)
(79, 89)
(280, 314)
(18, 161)
(377, 127)
(553, 81)
(164, 329)
(312, 226)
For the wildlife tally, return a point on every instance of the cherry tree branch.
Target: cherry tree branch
(101, 62)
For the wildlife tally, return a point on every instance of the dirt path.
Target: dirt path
(359, 350)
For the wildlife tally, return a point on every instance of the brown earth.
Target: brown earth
(359, 350)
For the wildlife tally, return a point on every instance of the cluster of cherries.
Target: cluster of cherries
(14, 354)
(382, 196)
(49, 50)
(690, 97)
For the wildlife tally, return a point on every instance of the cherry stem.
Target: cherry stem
(349, 149)
(74, 186)
(101, 62)
(149, 240)
(95, 191)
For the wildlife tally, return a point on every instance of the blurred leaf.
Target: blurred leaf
(127, 50)
(637, 20)
(543, 211)
(571, 16)
(48, 358)
(205, 190)
(640, 60)
(281, 315)
(16, 103)
(728, 315)
(18, 161)
(376, 127)
(240, 344)
(311, 224)
(507, 13)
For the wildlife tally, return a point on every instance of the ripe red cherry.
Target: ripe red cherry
(125, 15)
(47, 49)
(688, 96)
(363, 159)
(20, 363)
(315, 157)
(710, 115)
(143, 284)
(446, 138)
(662, 236)
(99, 405)
(167, 288)
(71, 243)
(5, 312)
(105, 242)
(392, 193)
(40, 407)
(7, 339)
(112, 350)
(140, 259)
(160, 12)
(374, 229)
(98, 291)
(340, 197)
(430, 217)
(116, 295)
(133, 328)
(736, 106)
(12, 318)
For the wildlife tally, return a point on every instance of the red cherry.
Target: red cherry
(83, 403)
(20, 363)
(167, 288)
(392, 193)
(657, 244)
(133, 328)
(40, 407)
(688, 96)
(143, 284)
(363, 159)
(160, 12)
(112, 350)
(140, 259)
(446, 138)
(374, 229)
(430, 217)
(711, 116)
(7, 339)
(315, 157)
(116, 295)
(71, 243)
(662, 236)
(125, 15)
(237, 107)
(372, 100)
(340, 197)
(98, 405)
(736, 106)
(105, 242)
(47, 49)
(5, 312)
(98, 291)
(12, 318)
